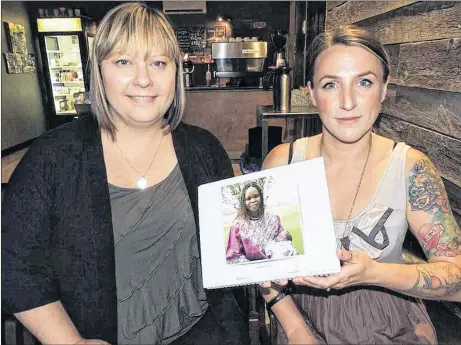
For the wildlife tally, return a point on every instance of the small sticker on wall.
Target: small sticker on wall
(259, 25)
(28, 63)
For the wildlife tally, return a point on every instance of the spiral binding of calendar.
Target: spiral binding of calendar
(317, 274)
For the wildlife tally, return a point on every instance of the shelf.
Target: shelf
(67, 82)
(62, 51)
(238, 74)
(68, 112)
(64, 67)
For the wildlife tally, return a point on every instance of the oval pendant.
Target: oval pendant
(141, 182)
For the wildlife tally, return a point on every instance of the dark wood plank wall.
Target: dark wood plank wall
(423, 107)
(315, 18)
(295, 43)
(311, 14)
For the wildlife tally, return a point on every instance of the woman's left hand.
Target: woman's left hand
(356, 269)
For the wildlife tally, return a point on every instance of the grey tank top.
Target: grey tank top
(379, 228)
(158, 272)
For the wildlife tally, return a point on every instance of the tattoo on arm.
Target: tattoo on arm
(410, 258)
(441, 236)
(426, 189)
(437, 280)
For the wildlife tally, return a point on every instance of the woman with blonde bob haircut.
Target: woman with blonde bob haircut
(379, 189)
(100, 228)
(140, 29)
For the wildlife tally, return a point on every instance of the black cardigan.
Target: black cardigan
(57, 239)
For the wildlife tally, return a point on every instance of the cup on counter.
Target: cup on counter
(77, 12)
(56, 12)
(70, 12)
(41, 12)
(246, 39)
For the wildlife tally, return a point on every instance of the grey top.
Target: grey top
(379, 228)
(368, 314)
(157, 263)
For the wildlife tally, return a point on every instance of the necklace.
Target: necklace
(141, 181)
(360, 181)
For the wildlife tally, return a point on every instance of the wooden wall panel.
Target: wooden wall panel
(421, 21)
(315, 24)
(296, 43)
(432, 65)
(291, 42)
(355, 11)
(444, 152)
(393, 50)
(333, 4)
(436, 110)
(454, 195)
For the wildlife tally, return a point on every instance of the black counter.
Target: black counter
(224, 88)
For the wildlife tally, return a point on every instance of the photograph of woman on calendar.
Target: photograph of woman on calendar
(264, 225)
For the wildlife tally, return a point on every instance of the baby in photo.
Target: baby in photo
(281, 247)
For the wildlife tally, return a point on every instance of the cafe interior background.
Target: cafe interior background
(44, 77)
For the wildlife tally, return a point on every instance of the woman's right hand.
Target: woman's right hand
(91, 342)
(267, 285)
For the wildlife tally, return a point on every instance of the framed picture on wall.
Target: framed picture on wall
(16, 38)
(215, 34)
(28, 63)
(14, 63)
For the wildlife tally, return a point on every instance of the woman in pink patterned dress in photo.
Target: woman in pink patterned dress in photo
(255, 234)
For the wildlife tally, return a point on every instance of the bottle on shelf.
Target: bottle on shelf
(208, 76)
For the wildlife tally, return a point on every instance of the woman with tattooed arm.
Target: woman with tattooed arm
(377, 189)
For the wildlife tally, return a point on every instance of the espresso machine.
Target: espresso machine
(241, 61)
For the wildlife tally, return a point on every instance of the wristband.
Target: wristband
(282, 294)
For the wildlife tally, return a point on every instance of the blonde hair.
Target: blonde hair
(348, 35)
(140, 28)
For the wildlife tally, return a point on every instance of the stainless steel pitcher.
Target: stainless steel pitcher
(188, 69)
(282, 89)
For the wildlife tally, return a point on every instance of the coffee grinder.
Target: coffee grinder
(188, 69)
(279, 40)
(281, 79)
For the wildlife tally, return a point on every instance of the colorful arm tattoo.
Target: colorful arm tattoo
(441, 236)
(437, 279)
